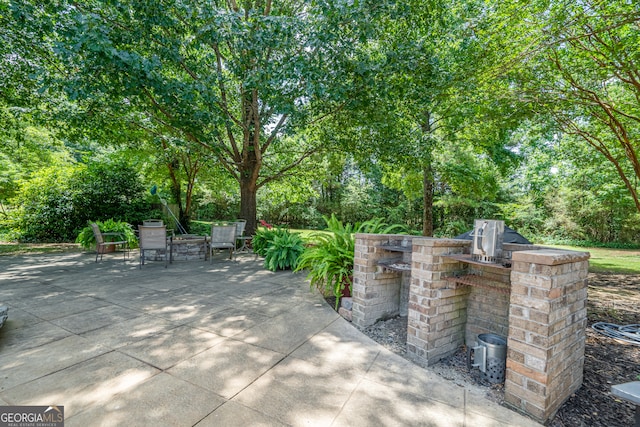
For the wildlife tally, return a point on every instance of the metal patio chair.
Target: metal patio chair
(240, 237)
(153, 238)
(222, 237)
(103, 245)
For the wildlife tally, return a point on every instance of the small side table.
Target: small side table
(631, 393)
(244, 247)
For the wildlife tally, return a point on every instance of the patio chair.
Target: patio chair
(240, 226)
(103, 245)
(153, 238)
(152, 223)
(222, 237)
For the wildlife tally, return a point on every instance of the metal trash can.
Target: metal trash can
(490, 355)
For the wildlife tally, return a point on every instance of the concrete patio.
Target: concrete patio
(208, 344)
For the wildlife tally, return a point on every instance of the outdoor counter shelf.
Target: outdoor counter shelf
(396, 263)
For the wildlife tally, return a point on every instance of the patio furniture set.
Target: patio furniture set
(153, 235)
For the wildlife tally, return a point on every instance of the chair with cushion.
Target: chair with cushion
(108, 245)
(222, 237)
(153, 238)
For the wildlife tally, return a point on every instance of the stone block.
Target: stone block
(347, 314)
(526, 279)
(521, 369)
(530, 302)
(550, 256)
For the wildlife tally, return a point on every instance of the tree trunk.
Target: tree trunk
(248, 205)
(177, 195)
(427, 198)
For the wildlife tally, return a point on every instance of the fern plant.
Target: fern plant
(283, 251)
(329, 259)
(263, 238)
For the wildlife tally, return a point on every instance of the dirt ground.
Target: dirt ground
(612, 299)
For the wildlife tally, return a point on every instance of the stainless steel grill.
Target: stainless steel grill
(488, 236)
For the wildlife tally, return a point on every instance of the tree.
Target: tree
(577, 62)
(231, 77)
(430, 94)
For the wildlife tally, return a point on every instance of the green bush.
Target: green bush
(200, 228)
(263, 238)
(329, 259)
(87, 240)
(109, 188)
(57, 202)
(44, 208)
(283, 251)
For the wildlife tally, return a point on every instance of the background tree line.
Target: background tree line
(425, 113)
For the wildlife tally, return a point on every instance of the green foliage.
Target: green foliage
(264, 237)
(87, 239)
(110, 188)
(57, 202)
(200, 228)
(283, 251)
(291, 63)
(329, 258)
(24, 148)
(44, 209)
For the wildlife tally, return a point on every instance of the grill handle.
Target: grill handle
(479, 357)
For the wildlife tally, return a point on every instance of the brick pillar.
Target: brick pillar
(547, 320)
(437, 308)
(375, 290)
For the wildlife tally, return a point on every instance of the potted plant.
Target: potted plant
(329, 259)
(87, 240)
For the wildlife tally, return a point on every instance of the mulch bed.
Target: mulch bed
(612, 299)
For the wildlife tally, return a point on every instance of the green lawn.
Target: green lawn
(603, 260)
(36, 248)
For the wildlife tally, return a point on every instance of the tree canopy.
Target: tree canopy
(234, 78)
(459, 109)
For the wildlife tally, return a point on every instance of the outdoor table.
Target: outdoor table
(244, 247)
(187, 239)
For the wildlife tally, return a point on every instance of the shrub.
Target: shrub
(263, 238)
(57, 202)
(330, 258)
(283, 251)
(44, 207)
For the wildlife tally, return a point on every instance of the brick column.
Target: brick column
(375, 290)
(547, 320)
(437, 308)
